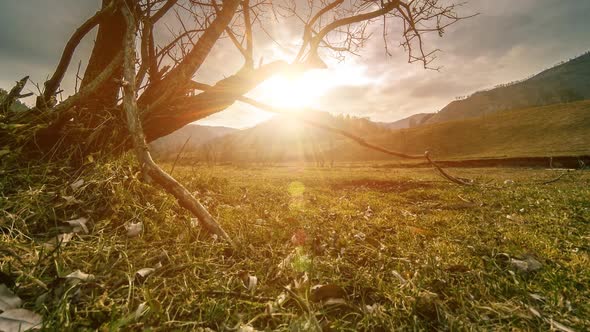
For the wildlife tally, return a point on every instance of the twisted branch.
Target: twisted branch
(168, 183)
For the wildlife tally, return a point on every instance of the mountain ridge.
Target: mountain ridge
(566, 82)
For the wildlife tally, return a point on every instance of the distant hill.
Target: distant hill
(409, 122)
(170, 145)
(567, 82)
(283, 138)
(540, 116)
(555, 130)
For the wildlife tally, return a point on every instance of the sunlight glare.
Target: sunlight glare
(295, 92)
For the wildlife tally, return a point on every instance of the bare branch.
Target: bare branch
(163, 10)
(93, 85)
(177, 78)
(168, 183)
(307, 33)
(53, 83)
(248, 32)
(13, 95)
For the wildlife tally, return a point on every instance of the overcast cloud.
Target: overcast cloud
(509, 40)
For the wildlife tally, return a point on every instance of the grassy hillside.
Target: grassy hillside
(286, 139)
(555, 130)
(409, 122)
(170, 145)
(561, 129)
(567, 82)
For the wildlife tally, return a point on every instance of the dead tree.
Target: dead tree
(159, 89)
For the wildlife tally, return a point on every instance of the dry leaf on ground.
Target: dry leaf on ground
(19, 320)
(8, 300)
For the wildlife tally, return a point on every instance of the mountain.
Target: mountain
(567, 82)
(283, 138)
(554, 130)
(409, 122)
(170, 145)
(540, 116)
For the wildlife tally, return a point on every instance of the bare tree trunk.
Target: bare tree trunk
(108, 43)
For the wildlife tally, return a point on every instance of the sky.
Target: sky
(507, 41)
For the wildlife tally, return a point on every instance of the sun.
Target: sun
(293, 93)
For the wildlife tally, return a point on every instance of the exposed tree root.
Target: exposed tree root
(168, 183)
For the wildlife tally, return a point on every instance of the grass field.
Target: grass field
(395, 249)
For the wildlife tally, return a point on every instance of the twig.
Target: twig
(78, 79)
(445, 174)
(179, 153)
(555, 179)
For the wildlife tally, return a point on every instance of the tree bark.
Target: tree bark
(161, 121)
(109, 39)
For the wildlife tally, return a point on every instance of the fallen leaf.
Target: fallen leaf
(249, 281)
(328, 294)
(560, 327)
(76, 185)
(301, 283)
(408, 214)
(317, 246)
(80, 276)
(374, 308)
(536, 297)
(145, 272)
(360, 236)
(8, 300)
(535, 312)
(60, 239)
(246, 328)
(78, 225)
(19, 320)
(399, 276)
(142, 308)
(134, 229)
(368, 213)
(65, 238)
(528, 264)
